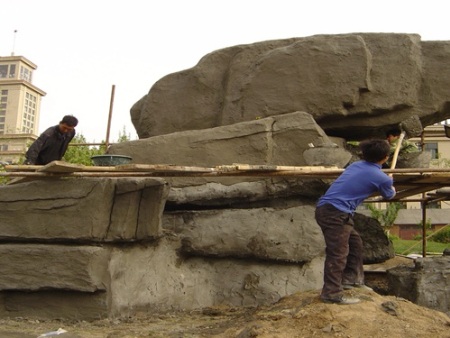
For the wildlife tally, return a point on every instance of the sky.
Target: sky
(82, 48)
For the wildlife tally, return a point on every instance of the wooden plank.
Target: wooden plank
(17, 180)
(99, 169)
(265, 167)
(20, 167)
(61, 167)
(165, 168)
(415, 191)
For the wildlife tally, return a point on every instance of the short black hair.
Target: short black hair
(70, 120)
(374, 150)
(393, 131)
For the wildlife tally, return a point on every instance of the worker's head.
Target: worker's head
(68, 124)
(393, 134)
(376, 151)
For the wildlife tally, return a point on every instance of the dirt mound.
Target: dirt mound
(298, 315)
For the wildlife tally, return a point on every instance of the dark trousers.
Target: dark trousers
(344, 251)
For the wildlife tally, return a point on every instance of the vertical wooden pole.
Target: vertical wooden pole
(424, 228)
(111, 104)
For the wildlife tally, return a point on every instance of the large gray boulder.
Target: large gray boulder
(427, 283)
(280, 140)
(354, 85)
(111, 209)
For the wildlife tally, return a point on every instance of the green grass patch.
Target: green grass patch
(406, 247)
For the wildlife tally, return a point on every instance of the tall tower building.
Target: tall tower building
(20, 103)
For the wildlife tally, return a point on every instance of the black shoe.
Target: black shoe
(356, 286)
(341, 301)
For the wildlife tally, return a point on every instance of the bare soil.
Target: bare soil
(298, 315)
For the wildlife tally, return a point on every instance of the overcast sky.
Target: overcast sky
(84, 47)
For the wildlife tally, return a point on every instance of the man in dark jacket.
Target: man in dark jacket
(52, 144)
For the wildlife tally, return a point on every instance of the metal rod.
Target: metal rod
(111, 104)
(86, 144)
(424, 228)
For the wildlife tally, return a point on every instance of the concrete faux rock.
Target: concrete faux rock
(355, 86)
(426, 284)
(269, 234)
(43, 266)
(155, 278)
(279, 140)
(83, 209)
(269, 192)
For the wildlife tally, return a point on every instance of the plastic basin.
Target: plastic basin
(110, 160)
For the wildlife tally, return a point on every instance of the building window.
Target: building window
(3, 71)
(434, 205)
(25, 74)
(30, 112)
(433, 148)
(12, 71)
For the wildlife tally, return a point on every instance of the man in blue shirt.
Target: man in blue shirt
(334, 213)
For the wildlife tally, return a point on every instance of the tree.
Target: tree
(123, 136)
(82, 154)
(387, 216)
(3, 179)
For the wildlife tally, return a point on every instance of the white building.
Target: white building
(20, 103)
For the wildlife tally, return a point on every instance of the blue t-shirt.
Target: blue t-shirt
(358, 181)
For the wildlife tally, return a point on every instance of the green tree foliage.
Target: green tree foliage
(442, 235)
(123, 136)
(3, 179)
(81, 154)
(387, 216)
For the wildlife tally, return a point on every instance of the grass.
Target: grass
(406, 247)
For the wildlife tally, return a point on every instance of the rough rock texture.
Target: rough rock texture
(426, 284)
(248, 256)
(279, 140)
(354, 85)
(274, 192)
(110, 209)
(157, 278)
(45, 267)
(276, 140)
(289, 235)
(377, 246)
(282, 234)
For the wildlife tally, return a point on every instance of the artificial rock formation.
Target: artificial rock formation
(354, 85)
(59, 236)
(278, 140)
(93, 248)
(426, 284)
(186, 243)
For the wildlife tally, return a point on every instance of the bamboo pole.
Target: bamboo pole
(415, 244)
(111, 104)
(424, 227)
